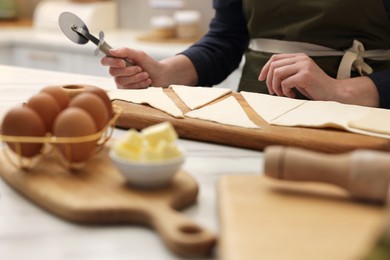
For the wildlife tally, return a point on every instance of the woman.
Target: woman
(321, 50)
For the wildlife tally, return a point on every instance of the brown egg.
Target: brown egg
(104, 97)
(75, 122)
(94, 106)
(46, 107)
(23, 121)
(59, 95)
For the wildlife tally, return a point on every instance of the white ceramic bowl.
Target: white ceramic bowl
(147, 174)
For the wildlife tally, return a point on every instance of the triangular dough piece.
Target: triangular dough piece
(321, 114)
(154, 97)
(196, 97)
(352, 118)
(270, 107)
(375, 120)
(227, 111)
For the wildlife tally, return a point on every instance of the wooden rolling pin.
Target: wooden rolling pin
(365, 174)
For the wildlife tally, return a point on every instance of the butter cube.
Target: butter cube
(122, 150)
(162, 131)
(134, 140)
(151, 155)
(167, 150)
(131, 146)
(154, 143)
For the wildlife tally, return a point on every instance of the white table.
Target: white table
(29, 232)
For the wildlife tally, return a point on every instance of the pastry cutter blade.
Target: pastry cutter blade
(76, 31)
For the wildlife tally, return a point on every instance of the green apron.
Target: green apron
(330, 23)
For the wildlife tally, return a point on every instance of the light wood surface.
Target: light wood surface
(266, 219)
(99, 194)
(324, 140)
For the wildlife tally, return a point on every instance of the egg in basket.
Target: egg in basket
(74, 127)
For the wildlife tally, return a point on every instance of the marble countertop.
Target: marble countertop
(29, 232)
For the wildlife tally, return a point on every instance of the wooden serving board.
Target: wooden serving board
(323, 140)
(267, 219)
(98, 193)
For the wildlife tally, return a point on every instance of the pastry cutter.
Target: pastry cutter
(76, 31)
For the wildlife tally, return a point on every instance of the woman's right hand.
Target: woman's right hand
(146, 70)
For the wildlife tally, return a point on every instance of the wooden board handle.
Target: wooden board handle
(181, 234)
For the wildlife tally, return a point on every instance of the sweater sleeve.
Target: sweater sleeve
(220, 51)
(382, 82)
(382, 78)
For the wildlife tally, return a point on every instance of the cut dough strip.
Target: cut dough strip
(196, 97)
(227, 111)
(270, 107)
(153, 96)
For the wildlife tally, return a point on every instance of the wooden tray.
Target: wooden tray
(267, 219)
(323, 140)
(99, 194)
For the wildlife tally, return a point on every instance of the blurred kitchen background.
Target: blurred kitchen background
(134, 14)
(30, 35)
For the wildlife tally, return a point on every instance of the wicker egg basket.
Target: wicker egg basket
(49, 147)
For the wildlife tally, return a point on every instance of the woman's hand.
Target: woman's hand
(283, 72)
(145, 72)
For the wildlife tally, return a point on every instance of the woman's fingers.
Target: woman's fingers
(274, 71)
(287, 71)
(279, 71)
(126, 71)
(140, 80)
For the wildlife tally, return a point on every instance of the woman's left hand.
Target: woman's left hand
(283, 72)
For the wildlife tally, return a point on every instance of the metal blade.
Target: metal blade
(67, 21)
(85, 34)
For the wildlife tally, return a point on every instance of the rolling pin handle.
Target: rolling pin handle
(364, 174)
(302, 165)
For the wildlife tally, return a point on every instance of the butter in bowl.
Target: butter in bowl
(149, 158)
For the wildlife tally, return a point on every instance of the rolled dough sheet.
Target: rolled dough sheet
(227, 111)
(283, 111)
(270, 107)
(196, 97)
(154, 97)
(375, 120)
(321, 114)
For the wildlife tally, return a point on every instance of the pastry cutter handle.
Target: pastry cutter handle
(105, 48)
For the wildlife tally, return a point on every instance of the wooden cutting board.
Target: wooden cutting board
(262, 218)
(323, 140)
(99, 194)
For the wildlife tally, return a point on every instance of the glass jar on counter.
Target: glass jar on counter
(187, 23)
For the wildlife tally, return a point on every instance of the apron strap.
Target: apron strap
(353, 58)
